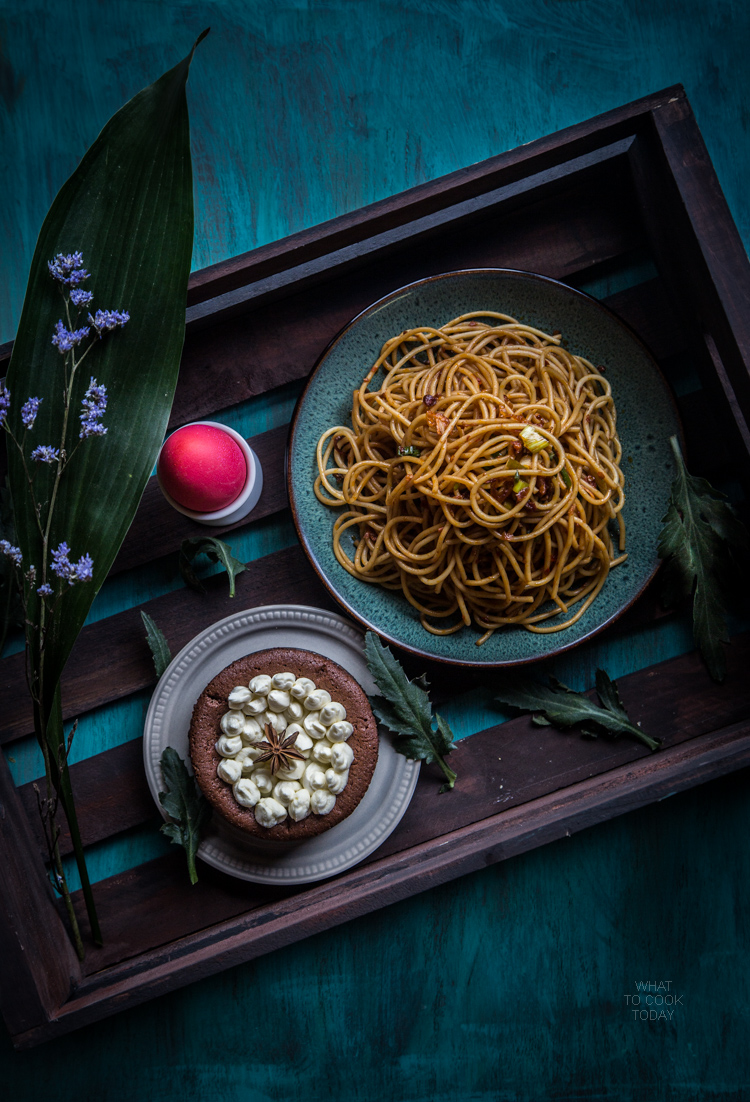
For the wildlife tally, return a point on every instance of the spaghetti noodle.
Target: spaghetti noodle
(481, 478)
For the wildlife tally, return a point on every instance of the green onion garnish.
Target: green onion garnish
(533, 440)
(519, 485)
(565, 477)
(411, 450)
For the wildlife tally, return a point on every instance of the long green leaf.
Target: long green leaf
(128, 208)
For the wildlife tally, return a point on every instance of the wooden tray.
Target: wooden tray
(632, 184)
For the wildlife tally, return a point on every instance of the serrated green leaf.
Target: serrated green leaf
(216, 551)
(409, 700)
(609, 695)
(444, 742)
(385, 712)
(699, 536)
(158, 644)
(186, 806)
(564, 708)
(405, 708)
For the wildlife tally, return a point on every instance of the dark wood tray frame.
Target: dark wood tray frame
(573, 205)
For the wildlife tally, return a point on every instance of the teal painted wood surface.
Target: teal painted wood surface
(511, 983)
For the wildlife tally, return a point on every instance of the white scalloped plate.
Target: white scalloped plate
(168, 721)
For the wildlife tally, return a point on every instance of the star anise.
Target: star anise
(278, 750)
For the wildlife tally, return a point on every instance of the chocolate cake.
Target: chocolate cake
(313, 756)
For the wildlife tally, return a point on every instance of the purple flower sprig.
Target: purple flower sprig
(67, 339)
(81, 571)
(13, 553)
(4, 403)
(29, 410)
(108, 319)
(44, 453)
(68, 271)
(79, 297)
(93, 407)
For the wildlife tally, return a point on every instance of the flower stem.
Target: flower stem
(75, 929)
(52, 835)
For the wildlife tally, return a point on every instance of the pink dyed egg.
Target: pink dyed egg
(202, 468)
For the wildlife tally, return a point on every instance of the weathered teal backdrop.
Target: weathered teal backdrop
(509, 984)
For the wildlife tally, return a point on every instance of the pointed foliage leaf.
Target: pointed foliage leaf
(405, 708)
(187, 807)
(701, 534)
(157, 643)
(561, 707)
(216, 551)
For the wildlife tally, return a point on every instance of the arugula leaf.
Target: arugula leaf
(158, 644)
(405, 708)
(561, 707)
(701, 535)
(217, 551)
(187, 807)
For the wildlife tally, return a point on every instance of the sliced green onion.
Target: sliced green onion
(519, 485)
(533, 440)
(411, 450)
(565, 477)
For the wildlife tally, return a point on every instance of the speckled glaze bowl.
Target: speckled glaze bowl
(646, 418)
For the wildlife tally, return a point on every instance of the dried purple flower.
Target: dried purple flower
(95, 398)
(4, 403)
(29, 410)
(44, 453)
(45, 590)
(61, 564)
(81, 298)
(68, 270)
(65, 339)
(13, 553)
(109, 319)
(91, 428)
(81, 571)
(92, 410)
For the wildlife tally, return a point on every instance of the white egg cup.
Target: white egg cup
(248, 497)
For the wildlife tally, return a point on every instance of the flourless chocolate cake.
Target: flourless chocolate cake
(283, 744)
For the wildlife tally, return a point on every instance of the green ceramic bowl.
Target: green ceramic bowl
(646, 418)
